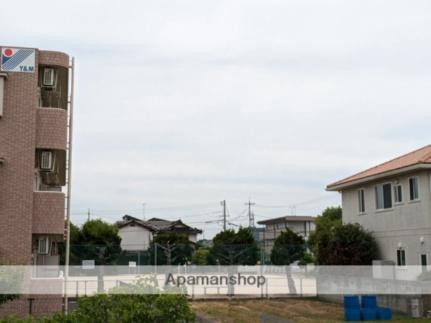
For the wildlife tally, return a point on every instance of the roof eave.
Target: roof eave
(133, 223)
(398, 171)
(284, 220)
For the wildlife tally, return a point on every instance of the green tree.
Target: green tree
(288, 247)
(234, 248)
(171, 249)
(347, 245)
(96, 240)
(200, 257)
(331, 217)
(75, 239)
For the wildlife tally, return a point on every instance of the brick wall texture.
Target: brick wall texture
(19, 137)
(39, 306)
(47, 57)
(51, 129)
(48, 213)
(17, 147)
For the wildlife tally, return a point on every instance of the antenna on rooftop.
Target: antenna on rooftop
(143, 211)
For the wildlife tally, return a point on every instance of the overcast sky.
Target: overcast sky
(181, 104)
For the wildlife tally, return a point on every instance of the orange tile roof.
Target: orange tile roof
(419, 156)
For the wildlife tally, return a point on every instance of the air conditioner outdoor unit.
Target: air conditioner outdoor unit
(43, 245)
(48, 77)
(46, 161)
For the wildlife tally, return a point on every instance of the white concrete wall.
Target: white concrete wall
(272, 231)
(193, 238)
(139, 238)
(134, 238)
(405, 223)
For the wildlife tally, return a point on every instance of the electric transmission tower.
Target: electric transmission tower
(250, 214)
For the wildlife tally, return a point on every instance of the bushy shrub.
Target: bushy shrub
(307, 258)
(347, 245)
(126, 304)
(16, 319)
(288, 247)
(200, 257)
(234, 248)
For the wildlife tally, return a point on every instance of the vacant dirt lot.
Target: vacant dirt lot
(274, 311)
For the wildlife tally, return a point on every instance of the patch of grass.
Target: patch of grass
(296, 310)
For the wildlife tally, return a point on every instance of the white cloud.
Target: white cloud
(180, 102)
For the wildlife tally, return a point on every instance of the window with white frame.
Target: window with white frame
(383, 194)
(398, 193)
(414, 188)
(361, 201)
(401, 257)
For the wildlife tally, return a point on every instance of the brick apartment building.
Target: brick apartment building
(34, 90)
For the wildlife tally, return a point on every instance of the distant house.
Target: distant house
(258, 234)
(137, 234)
(299, 224)
(393, 201)
(205, 243)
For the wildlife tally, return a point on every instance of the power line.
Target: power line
(189, 206)
(192, 206)
(240, 215)
(102, 214)
(293, 205)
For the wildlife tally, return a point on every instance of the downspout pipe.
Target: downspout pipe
(3, 77)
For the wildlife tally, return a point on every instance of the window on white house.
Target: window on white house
(424, 262)
(414, 188)
(401, 257)
(383, 196)
(361, 201)
(398, 193)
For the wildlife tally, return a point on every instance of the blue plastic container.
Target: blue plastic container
(351, 314)
(369, 314)
(384, 313)
(351, 302)
(369, 301)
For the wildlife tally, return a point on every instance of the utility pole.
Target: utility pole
(69, 182)
(250, 214)
(223, 203)
(143, 211)
(88, 215)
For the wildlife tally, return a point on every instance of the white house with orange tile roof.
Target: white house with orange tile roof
(393, 201)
